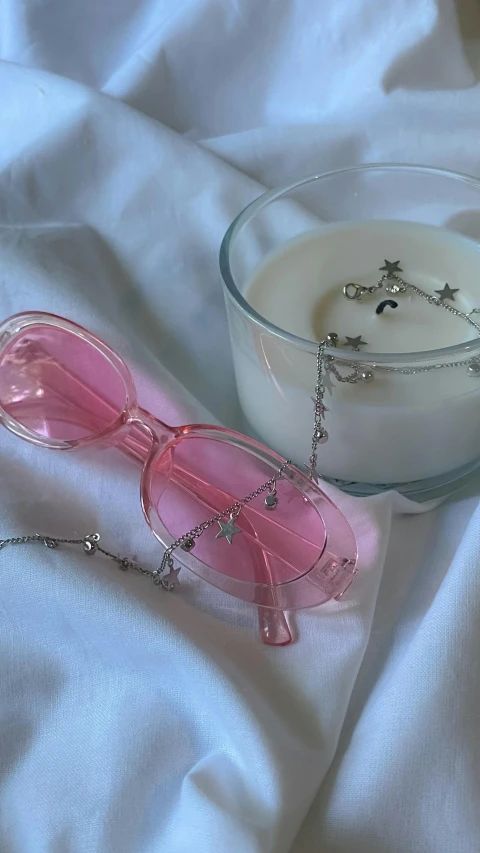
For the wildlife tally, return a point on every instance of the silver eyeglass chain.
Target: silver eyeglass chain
(320, 434)
(89, 545)
(395, 285)
(326, 365)
(90, 542)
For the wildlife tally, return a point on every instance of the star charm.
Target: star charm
(228, 530)
(355, 343)
(322, 407)
(391, 267)
(170, 581)
(327, 382)
(447, 293)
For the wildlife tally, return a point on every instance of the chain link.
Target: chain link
(351, 378)
(354, 377)
(319, 411)
(404, 286)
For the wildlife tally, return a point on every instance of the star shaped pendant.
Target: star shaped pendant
(170, 581)
(391, 267)
(355, 343)
(228, 530)
(322, 408)
(447, 293)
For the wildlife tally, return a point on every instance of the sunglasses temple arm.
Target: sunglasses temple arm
(273, 625)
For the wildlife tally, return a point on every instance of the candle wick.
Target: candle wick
(381, 308)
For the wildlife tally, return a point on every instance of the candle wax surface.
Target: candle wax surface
(300, 287)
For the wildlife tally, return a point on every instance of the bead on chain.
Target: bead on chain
(320, 434)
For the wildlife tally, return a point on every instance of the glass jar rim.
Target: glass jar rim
(468, 349)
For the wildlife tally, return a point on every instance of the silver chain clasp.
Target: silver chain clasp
(354, 291)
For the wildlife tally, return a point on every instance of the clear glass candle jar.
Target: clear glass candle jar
(413, 422)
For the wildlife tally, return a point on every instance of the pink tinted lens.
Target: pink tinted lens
(197, 477)
(59, 385)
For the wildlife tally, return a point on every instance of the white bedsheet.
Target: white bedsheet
(131, 134)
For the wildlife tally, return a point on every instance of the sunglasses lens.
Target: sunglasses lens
(59, 385)
(197, 478)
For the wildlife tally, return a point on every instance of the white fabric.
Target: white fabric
(131, 134)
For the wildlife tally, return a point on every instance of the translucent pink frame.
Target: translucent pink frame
(301, 555)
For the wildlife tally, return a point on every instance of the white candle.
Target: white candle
(400, 428)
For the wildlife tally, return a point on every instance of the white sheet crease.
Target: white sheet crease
(130, 722)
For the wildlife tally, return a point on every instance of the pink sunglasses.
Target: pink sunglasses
(228, 509)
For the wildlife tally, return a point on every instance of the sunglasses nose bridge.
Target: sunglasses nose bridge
(140, 442)
(147, 437)
(138, 422)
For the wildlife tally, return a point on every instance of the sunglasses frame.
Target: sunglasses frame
(306, 590)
